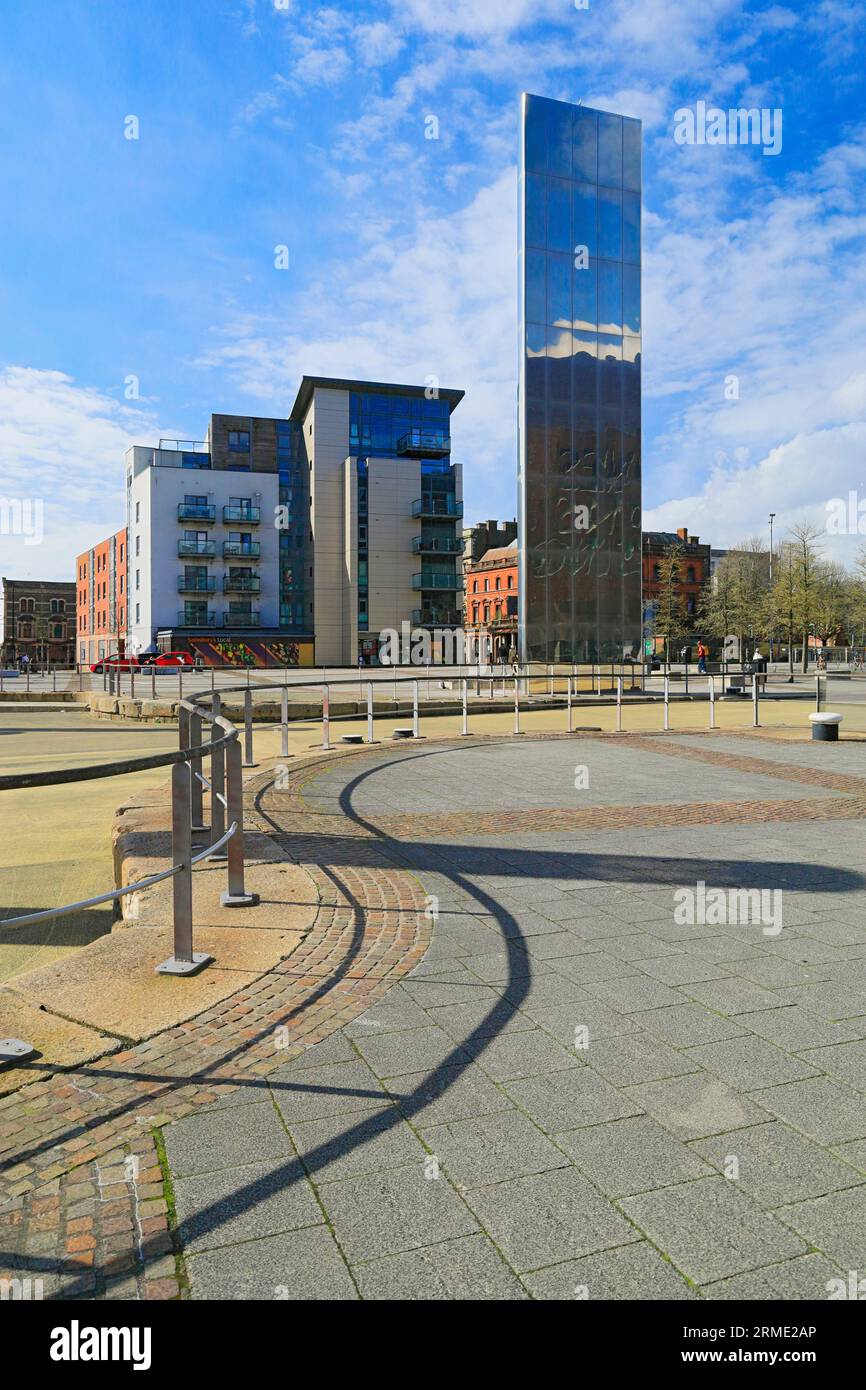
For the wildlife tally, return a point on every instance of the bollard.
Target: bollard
(195, 784)
(326, 718)
(464, 692)
(755, 690)
(370, 738)
(711, 686)
(104, 678)
(568, 705)
(817, 694)
(236, 894)
(131, 683)
(54, 680)
(80, 679)
(516, 705)
(284, 722)
(180, 682)
(184, 961)
(248, 728)
(667, 723)
(598, 681)
(212, 680)
(416, 727)
(550, 680)
(619, 704)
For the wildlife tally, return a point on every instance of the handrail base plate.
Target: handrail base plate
(173, 966)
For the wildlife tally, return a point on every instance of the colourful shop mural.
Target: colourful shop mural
(250, 651)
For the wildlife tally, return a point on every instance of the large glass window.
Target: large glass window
(610, 223)
(585, 217)
(609, 150)
(559, 215)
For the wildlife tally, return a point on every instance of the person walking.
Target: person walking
(757, 660)
(702, 658)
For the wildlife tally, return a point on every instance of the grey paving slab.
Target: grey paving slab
(569, 1099)
(687, 1025)
(542, 990)
(518, 1054)
(710, 1230)
(835, 1223)
(467, 1268)
(635, 1272)
(775, 1164)
(631, 1155)
(489, 1148)
(633, 994)
(561, 1020)
(372, 1142)
(796, 1030)
(451, 1093)
(681, 969)
(641, 946)
(388, 1016)
(831, 1001)
(593, 965)
(243, 1203)
(775, 972)
(386, 1213)
(299, 1265)
(635, 1057)
(855, 1154)
(336, 1089)
(749, 1063)
(221, 1137)
(820, 1107)
(548, 1217)
(487, 1018)
(334, 1049)
(847, 1060)
(806, 1277)
(694, 1106)
(431, 990)
(397, 1054)
(733, 996)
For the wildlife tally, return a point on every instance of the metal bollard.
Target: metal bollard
(817, 694)
(370, 737)
(416, 726)
(236, 894)
(568, 705)
(184, 961)
(550, 680)
(619, 704)
(54, 680)
(711, 686)
(464, 692)
(516, 705)
(195, 784)
(284, 722)
(248, 728)
(131, 683)
(755, 694)
(326, 718)
(667, 723)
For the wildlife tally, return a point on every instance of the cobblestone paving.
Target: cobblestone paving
(571, 1087)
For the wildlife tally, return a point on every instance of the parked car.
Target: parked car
(115, 663)
(172, 659)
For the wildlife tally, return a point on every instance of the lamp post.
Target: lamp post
(772, 514)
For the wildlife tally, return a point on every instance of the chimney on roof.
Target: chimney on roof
(683, 533)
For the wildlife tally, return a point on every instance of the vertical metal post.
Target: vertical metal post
(54, 680)
(326, 718)
(236, 894)
(248, 728)
(415, 722)
(667, 723)
(284, 722)
(464, 692)
(184, 961)
(598, 680)
(180, 682)
(104, 677)
(80, 679)
(370, 738)
(131, 683)
(218, 782)
(755, 720)
(711, 686)
(817, 694)
(153, 680)
(195, 786)
(212, 679)
(568, 704)
(619, 704)
(550, 680)
(516, 705)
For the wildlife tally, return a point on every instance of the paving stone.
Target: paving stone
(544, 991)
(243, 1203)
(630, 995)
(733, 996)
(460, 1021)
(385, 1213)
(807, 1277)
(749, 1063)
(632, 1155)
(640, 947)
(489, 1148)
(845, 1060)
(855, 1154)
(388, 1016)
(375, 1141)
(326, 1090)
(456, 1270)
(592, 966)
(299, 1265)
(636, 1057)
(522, 1054)
(681, 969)
(569, 1099)
(694, 1106)
(336, 1048)
(831, 1001)
(835, 1223)
(776, 1165)
(397, 1054)
(223, 1138)
(795, 1029)
(451, 1093)
(631, 1272)
(561, 1020)
(687, 1025)
(819, 1107)
(548, 1217)
(711, 1230)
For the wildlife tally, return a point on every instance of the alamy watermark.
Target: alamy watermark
(22, 516)
(719, 906)
(710, 125)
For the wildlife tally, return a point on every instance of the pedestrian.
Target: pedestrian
(757, 660)
(702, 658)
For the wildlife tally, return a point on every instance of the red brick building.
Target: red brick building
(490, 602)
(694, 569)
(101, 593)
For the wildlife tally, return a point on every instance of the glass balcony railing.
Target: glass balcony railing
(424, 443)
(247, 516)
(242, 584)
(203, 550)
(251, 550)
(195, 511)
(197, 584)
(436, 617)
(241, 617)
(428, 579)
(196, 617)
(437, 506)
(436, 545)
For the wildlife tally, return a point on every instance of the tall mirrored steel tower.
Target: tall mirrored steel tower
(579, 383)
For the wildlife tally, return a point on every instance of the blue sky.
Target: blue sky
(262, 124)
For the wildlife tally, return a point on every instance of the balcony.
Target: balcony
(436, 617)
(248, 516)
(428, 579)
(424, 443)
(241, 618)
(196, 511)
(200, 550)
(431, 507)
(437, 545)
(196, 617)
(242, 584)
(238, 550)
(196, 585)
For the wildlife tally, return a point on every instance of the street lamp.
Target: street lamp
(772, 514)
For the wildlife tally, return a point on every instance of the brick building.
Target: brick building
(693, 573)
(101, 616)
(491, 599)
(38, 621)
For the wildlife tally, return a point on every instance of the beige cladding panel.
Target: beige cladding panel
(394, 484)
(327, 446)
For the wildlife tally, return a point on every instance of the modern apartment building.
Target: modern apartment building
(579, 395)
(100, 608)
(385, 503)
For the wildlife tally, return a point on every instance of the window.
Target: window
(239, 441)
(690, 574)
(657, 574)
(121, 552)
(138, 612)
(511, 581)
(191, 499)
(27, 605)
(498, 582)
(138, 579)
(486, 585)
(138, 545)
(138, 511)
